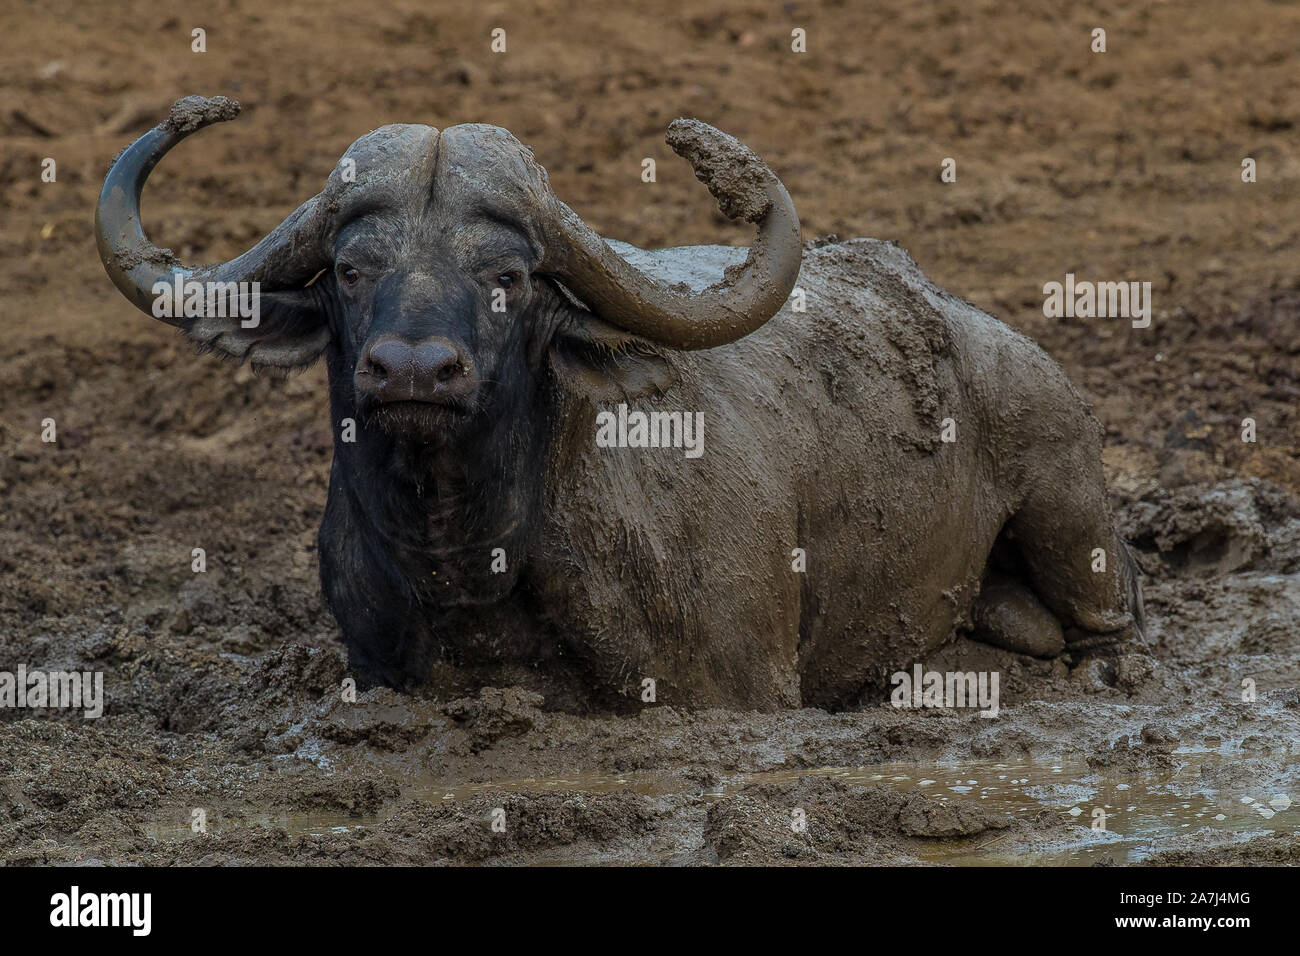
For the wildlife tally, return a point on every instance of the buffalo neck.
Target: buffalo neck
(455, 520)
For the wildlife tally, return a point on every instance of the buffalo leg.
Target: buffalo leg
(1075, 562)
(1008, 615)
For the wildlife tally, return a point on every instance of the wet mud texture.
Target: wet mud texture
(223, 687)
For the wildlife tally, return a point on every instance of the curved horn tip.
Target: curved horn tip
(733, 172)
(192, 113)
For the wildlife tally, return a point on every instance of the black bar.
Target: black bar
(331, 906)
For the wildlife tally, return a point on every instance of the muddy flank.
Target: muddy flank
(223, 700)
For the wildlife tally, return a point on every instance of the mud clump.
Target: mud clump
(194, 112)
(1205, 531)
(1155, 751)
(493, 826)
(1274, 849)
(1134, 671)
(496, 714)
(382, 720)
(737, 178)
(816, 819)
(353, 797)
(922, 817)
(296, 670)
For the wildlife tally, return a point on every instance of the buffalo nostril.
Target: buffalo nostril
(440, 361)
(391, 359)
(434, 370)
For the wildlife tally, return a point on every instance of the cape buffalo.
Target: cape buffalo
(883, 465)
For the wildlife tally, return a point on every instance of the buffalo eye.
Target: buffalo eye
(506, 280)
(349, 275)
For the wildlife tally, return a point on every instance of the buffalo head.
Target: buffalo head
(438, 272)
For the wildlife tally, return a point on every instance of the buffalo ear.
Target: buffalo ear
(291, 331)
(606, 363)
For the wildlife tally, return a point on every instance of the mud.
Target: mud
(738, 179)
(222, 688)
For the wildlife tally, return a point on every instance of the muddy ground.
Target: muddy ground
(223, 687)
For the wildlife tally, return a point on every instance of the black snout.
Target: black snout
(434, 371)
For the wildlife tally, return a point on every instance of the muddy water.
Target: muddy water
(1119, 817)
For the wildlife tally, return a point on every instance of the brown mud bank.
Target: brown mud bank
(283, 770)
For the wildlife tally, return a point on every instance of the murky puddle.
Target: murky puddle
(1121, 817)
(1125, 815)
